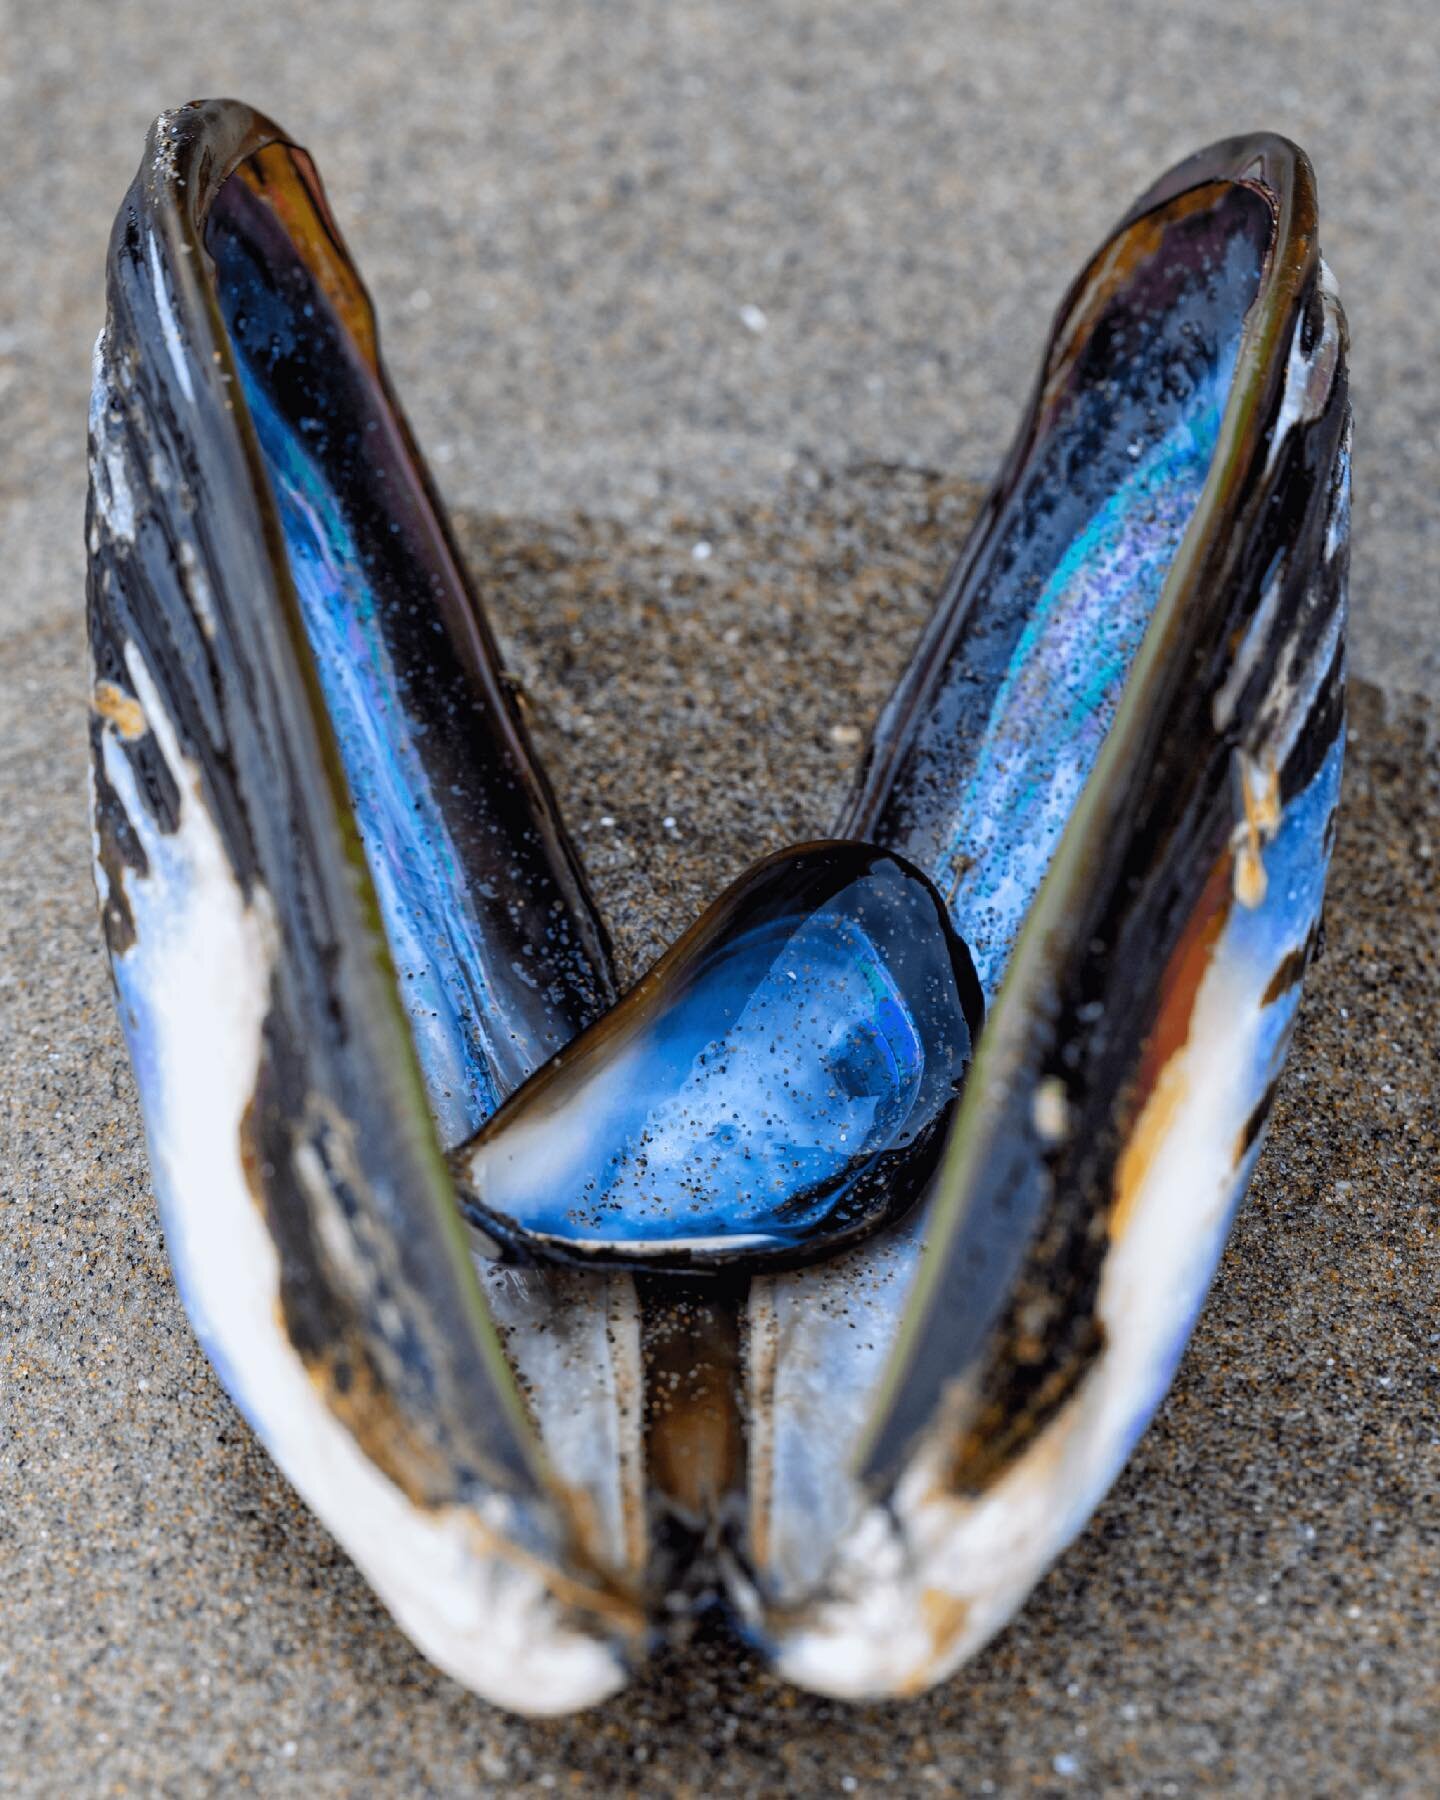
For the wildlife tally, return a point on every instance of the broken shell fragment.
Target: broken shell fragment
(776, 1278)
(776, 1087)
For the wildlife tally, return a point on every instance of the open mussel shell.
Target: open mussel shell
(351, 940)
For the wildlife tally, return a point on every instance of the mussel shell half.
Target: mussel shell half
(307, 1207)
(500, 955)
(1144, 968)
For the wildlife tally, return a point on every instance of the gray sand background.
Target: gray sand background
(773, 280)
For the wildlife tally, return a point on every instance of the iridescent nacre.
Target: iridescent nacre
(775, 1087)
(1006, 706)
(500, 957)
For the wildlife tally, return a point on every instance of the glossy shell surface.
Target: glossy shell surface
(779, 1085)
(1031, 1318)
(307, 1208)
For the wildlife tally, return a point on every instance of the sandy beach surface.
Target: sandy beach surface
(773, 282)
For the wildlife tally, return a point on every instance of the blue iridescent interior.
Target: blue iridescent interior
(491, 973)
(778, 1085)
(413, 862)
(1067, 670)
(418, 875)
(1015, 714)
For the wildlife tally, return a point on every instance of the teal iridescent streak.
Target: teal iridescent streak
(1058, 696)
